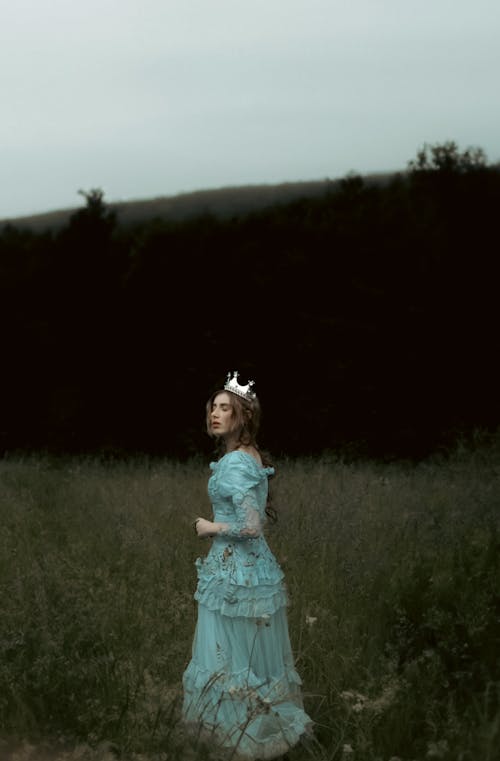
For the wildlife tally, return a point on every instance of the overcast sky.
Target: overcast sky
(144, 98)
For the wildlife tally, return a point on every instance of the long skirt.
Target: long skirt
(241, 690)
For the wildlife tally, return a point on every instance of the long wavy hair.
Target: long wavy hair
(246, 415)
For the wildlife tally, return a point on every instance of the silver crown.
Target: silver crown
(232, 385)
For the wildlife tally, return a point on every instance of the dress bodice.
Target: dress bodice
(238, 490)
(240, 575)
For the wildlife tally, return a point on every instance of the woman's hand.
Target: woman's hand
(205, 528)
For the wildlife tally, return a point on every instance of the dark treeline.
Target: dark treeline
(368, 318)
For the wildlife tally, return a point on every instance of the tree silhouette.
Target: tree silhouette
(368, 316)
(447, 157)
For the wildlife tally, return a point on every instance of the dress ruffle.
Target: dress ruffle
(259, 718)
(255, 606)
(237, 583)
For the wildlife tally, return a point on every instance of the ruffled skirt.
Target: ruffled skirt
(241, 690)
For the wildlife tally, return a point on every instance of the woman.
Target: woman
(241, 687)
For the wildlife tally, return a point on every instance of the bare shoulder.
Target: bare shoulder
(253, 452)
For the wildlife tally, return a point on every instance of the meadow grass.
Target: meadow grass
(393, 574)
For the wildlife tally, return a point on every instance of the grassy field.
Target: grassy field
(393, 572)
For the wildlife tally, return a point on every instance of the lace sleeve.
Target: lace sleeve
(247, 524)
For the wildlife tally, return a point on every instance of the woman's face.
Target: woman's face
(221, 416)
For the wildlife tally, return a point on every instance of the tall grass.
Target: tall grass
(393, 573)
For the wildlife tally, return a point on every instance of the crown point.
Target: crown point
(232, 385)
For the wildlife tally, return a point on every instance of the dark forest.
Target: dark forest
(368, 318)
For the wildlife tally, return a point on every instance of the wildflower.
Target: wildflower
(347, 695)
(386, 699)
(437, 749)
(350, 696)
(311, 620)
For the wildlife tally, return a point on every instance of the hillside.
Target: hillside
(222, 203)
(366, 314)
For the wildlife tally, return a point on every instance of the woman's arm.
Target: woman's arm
(246, 526)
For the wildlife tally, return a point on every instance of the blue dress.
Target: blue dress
(241, 688)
